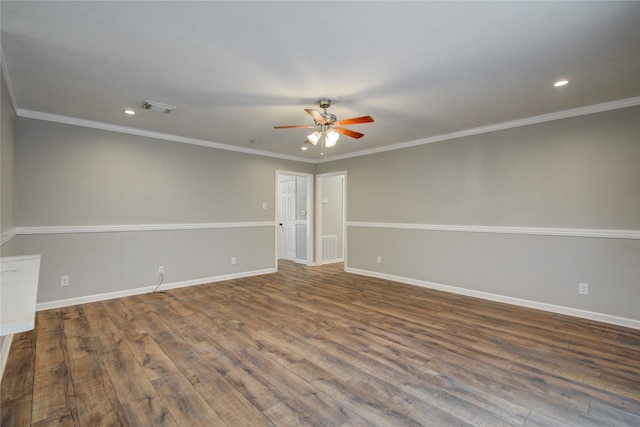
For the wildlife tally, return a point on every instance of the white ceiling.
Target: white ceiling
(235, 69)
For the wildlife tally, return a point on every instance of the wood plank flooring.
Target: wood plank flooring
(319, 347)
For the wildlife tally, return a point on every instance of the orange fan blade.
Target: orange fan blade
(355, 121)
(295, 126)
(316, 116)
(350, 133)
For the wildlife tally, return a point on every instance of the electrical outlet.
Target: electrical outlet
(64, 280)
(161, 269)
(583, 288)
(233, 260)
(379, 259)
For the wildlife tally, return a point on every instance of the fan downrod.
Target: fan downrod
(325, 103)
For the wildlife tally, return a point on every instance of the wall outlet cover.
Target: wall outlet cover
(583, 288)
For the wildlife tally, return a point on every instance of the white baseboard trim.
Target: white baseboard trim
(332, 261)
(4, 352)
(147, 289)
(541, 231)
(600, 317)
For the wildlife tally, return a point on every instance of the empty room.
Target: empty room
(320, 213)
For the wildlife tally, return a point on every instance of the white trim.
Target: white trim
(332, 261)
(149, 134)
(571, 232)
(64, 229)
(575, 112)
(4, 352)
(319, 214)
(309, 208)
(7, 80)
(4, 238)
(148, 289)
(585, 314)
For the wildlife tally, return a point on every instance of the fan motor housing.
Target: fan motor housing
(330, 118)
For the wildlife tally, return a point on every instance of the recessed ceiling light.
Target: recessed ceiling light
(561, 83)
(303, 148)
(130, 112)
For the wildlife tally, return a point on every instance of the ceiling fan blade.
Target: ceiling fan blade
(295, 126)
(316, 116)
(355, 121)
(350, 133)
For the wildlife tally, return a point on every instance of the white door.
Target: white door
(287, 220)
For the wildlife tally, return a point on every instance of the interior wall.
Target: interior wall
(479, 213)
(7, 170)
(107, 209)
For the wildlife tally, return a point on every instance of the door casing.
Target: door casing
(309, 180)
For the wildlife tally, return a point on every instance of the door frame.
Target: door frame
(319, 215)
(309, 210)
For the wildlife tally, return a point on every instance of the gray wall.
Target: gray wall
(577, 173)
(70, 176)
(7, 168)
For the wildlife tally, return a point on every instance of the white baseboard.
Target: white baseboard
(148, 289)
(585, 314)
(332, 261)
(4, 352)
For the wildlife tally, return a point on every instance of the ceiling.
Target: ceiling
(233, 70)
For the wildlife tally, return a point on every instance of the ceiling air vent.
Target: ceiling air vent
(157, 107)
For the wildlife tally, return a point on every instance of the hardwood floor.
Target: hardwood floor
(317, 346)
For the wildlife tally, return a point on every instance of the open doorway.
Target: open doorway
(294, 217)
(331, 217)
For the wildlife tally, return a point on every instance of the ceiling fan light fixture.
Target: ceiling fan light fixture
(331, 138)
(314, 137)
(328, 127)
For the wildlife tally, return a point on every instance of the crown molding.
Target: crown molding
(565, 114)
(30, 114)
(575, 112)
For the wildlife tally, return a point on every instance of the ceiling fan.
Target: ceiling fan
(329, 127)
